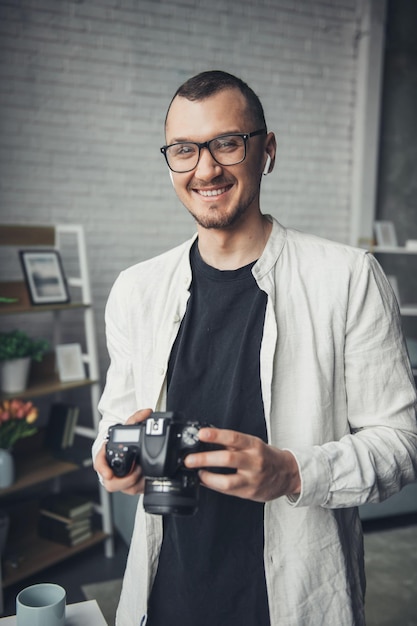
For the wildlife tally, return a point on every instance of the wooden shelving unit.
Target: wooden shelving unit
(17, 290)
(38, 551)
(36, 468)
(27, 553)
(44, 380)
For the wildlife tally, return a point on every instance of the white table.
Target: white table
(79, 614)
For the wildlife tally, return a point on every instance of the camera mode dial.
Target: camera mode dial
(190, 436)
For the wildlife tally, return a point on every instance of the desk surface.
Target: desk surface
(78, 614)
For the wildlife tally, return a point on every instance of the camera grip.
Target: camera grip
(121, 463)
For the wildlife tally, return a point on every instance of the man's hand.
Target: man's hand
(263, 472)
(134, 482)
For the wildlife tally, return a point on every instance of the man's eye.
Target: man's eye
(227, 144)
(183, 150)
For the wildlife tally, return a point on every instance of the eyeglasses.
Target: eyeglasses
(230, 149)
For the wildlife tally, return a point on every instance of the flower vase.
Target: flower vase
(6, 468)
(14, 375)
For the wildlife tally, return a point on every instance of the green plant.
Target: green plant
(17, 344)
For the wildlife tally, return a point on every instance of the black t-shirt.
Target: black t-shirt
(211, 570)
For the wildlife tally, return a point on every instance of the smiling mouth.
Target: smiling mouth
(211, 193)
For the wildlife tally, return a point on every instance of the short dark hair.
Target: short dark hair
(209, 83)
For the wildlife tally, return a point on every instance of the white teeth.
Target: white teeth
(211, 192)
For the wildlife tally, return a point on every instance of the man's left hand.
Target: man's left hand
(263, 472)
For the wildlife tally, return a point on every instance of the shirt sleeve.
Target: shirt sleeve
(118, 401)
(379, 455)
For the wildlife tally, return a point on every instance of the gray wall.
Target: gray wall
(84, 90)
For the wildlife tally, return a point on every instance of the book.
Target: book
(62, 422)
(63, 529)
(69, 440)
(57, 421)
(67, 534)
(71, 422)
(79, 453)
(67, 505)
(63, 519)
(73, 455)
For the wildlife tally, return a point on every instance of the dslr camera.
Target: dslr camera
(159, 445)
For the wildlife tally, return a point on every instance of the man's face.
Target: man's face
(216, 195)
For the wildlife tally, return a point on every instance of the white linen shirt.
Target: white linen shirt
(337, 391)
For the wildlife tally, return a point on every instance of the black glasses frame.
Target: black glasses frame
(206, 144)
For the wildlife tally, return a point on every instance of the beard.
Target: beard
(212, 217)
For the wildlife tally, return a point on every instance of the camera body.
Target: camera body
(159, 445)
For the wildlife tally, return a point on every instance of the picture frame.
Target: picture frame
(44, 276)
(69, 360)
(385, 234)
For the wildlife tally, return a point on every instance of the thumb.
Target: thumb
(139, 416)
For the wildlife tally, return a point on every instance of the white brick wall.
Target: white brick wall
(84, 88)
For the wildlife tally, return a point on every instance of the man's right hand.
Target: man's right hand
(134, 482)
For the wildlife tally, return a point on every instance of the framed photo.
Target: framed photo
(69, 361)
(385, 234)
(44, 276)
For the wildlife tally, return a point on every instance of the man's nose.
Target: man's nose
(207, 166)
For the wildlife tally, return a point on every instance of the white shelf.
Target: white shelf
(393, 250)
(408, 309)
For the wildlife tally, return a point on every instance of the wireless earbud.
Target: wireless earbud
(267, 165)
(171, 177)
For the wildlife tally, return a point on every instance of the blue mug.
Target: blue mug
(41, 605)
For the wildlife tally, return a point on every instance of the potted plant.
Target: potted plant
(16, 351)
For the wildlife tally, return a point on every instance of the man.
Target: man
(290, 346)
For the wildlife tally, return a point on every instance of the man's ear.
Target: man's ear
(270, 150)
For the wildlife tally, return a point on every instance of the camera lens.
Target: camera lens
(172, 496)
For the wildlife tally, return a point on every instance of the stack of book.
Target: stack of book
(66, 518)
